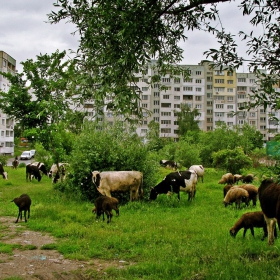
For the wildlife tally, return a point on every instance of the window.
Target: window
(177, 80)
(145, 88)
(230, 98)
(198, 81)
(219, 81)
(176, 105)
(156, 94)
(219, 106)
(209, 128)
(252, 114)
(209, 94)
(187, 80)
(187, 88)
(209, 112)
(209, 86)
(198, 98)
(198, 89)
(230, 107)
(229, 73)
(219, 97)
(198, 72)
(209, 103)
(145, 80)
(230, 123)
(241, 88)
(252, 81)
(209, 120)
(198, 106)
(156, 102)
(176, 97)
(156, 119)
(165, 122)
(219, 114)
(165, 130)
(165, 96)
(156, 111)
(144, 97)
(156, 85)
(219, 89)
(252, 123)
(144, 105)
(209, 79)
(219, 73)
(241, 80)
(240, 121)
(165, 80)
(144, 130)
(177, 89)
(262, 127)
(166, 114)
(230, 90)
(230, 115)
(230, 82)
(165, 105)
(241, 96)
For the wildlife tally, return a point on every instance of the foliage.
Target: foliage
(114, 147)
(187, 120)
(154, 142)
(3, 160)
(118, 39)
(233, 160)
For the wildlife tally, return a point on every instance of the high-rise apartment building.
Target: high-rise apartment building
(7, 64)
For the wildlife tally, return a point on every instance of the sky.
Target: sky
(25, 33)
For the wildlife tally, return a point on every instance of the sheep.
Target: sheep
(253, 192)
(199, 169)
(23, 202)
(249, 221)
(226, 189)
(105, 204)
(247, 179)
(236, 195)
(237, 178)
(227, 179)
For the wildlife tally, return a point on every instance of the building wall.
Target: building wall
(7, 64)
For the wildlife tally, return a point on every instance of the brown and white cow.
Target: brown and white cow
(56, 174)
(119, 181)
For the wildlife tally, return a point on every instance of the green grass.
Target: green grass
(163, 239)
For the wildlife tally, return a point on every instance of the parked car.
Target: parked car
(33, 152)
(26, 155)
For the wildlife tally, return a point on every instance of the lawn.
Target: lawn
(163, 239)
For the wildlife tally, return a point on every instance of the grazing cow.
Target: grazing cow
(190, 185)
(3, 173)
(56, 174)
(171, 183)
(199, 169)
(169, 164)
(15, 163)
(269, 196)
(119, 181)
(31, 171)
(41, 167)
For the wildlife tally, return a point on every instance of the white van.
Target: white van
(26, 155)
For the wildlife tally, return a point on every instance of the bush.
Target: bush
(114, 148)
(232, 160)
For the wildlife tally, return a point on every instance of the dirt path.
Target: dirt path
(41, 264)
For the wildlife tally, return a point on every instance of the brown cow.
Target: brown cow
(119, 181)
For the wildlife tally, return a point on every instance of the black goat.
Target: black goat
(23, 202)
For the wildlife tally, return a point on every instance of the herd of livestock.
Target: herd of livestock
(108, 182)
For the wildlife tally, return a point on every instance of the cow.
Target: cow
(172, 183)
(3, 173)
(168, 163)
(41, 167)
(56, 174)
(269, 197)
(32, 170)
(119, 181)
(199, 169)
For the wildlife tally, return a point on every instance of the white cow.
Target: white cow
(199, 169)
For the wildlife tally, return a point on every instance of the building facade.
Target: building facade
(7, 64)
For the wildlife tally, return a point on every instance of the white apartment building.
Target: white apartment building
(7, 64)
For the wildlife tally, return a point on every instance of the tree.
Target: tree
(119, 39)
(187, 120)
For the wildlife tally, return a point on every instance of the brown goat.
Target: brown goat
(249, 221)
(226, 189)
(23, 202)
(105, 204)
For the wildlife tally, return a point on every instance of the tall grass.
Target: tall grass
(163, 239)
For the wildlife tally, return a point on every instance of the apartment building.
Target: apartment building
(7, 64)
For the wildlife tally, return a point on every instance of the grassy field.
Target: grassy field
(164, 239)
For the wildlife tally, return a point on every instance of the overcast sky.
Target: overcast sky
(25, 33)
